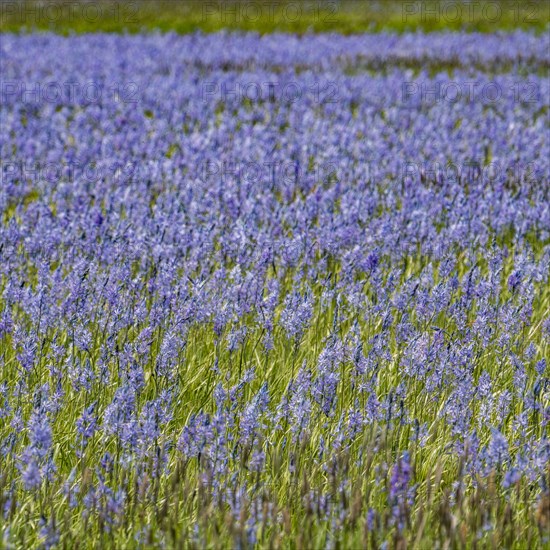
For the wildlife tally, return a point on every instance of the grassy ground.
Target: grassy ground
(345, 16)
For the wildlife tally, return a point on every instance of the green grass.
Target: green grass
(266, 16)
(170, 505)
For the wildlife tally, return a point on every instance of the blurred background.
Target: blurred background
(344, 16)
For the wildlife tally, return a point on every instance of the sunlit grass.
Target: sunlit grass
(342, 16)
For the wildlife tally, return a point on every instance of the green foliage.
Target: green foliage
(267, 16)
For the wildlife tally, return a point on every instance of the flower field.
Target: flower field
(275, 292)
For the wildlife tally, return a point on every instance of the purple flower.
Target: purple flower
(296, 315)
(31, 475)
(514, 280)
(400, 477)
(86, 425)
(540, 367)
(40, 434)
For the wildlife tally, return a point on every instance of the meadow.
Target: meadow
(274, 290)
(268, 16)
